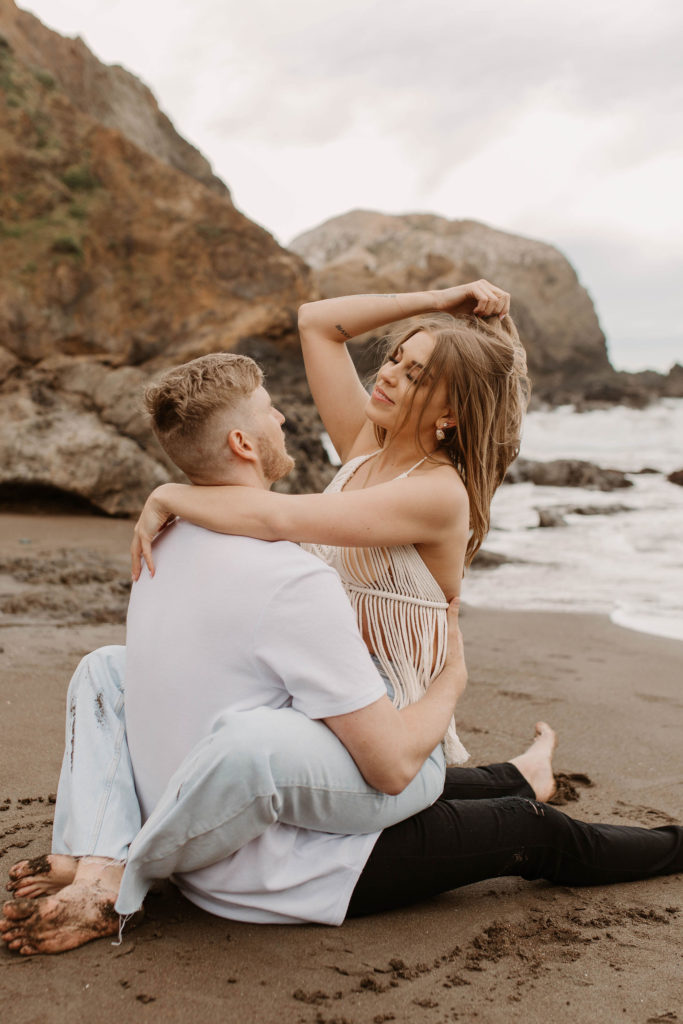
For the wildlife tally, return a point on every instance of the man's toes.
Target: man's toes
(19, 910)
(28, 891)
(17, 943)
(16, 885)
(28, 951)
(18, 869)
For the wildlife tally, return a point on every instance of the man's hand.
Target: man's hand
(480, 297)
(390, 746)
(455, 656)
(153, 518)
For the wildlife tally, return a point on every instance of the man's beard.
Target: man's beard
(275, 462)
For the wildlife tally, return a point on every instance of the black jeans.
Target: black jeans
(488, 824)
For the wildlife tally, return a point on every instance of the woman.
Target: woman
(422, 457)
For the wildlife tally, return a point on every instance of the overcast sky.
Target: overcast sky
(558, 120)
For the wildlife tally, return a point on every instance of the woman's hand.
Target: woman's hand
(480, 297)
(153, 518)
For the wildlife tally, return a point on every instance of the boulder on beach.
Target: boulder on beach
(485, 559)
(550, 518)
(567, 473)
(555, 514)
(676, 477)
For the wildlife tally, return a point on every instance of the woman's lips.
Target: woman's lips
(379, 396)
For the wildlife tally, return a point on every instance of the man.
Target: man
(232, 624)
(218, 424)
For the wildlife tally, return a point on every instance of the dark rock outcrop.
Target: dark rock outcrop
(555, 515)
(550, 517)
(676, 477)
(600, 510)
(633, 389)
(567, 473)
(485, 559)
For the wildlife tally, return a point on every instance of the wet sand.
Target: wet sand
(493, 953)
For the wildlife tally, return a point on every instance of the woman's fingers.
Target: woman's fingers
(146, 528)
(479, 297)
(135, 557)
(147, 554)
(491, 300)
(141, 551)
(153, 518)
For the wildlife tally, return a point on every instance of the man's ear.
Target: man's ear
(242, 446)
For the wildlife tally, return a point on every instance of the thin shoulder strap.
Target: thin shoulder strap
(348, 469)
(353, 464)
(408, 471)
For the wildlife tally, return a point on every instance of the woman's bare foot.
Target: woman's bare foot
(41, 876)
(78, 913)
(535, 764)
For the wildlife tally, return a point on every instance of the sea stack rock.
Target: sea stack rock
(375, 252)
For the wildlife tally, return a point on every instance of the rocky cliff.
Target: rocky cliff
(110, 94)
(113, 263)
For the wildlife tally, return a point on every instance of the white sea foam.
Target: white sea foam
(628, 565)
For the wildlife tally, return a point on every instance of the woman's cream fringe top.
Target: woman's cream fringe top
(400, 608)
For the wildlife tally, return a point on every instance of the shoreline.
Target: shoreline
(500, 952)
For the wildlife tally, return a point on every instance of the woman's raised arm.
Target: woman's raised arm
(402, 511)
(325, 327)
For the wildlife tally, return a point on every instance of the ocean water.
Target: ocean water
(628, 565)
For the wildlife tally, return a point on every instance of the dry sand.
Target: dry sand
(493, 953)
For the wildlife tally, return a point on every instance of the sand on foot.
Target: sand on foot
(41, 876)
(77, 914)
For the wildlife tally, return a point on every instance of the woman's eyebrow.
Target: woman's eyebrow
(412, 363)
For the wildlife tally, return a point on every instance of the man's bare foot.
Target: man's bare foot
(68, 919)
(535, 764)
(78, 913)
(41, 876)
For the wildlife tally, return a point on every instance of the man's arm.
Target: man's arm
(390, 746)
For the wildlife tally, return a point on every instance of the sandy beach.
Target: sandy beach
(493, 953)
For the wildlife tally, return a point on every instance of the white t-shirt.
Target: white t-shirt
(232, 623)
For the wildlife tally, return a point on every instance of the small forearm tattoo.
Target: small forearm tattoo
(344, 334)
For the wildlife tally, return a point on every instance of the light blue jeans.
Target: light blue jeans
(254, 768)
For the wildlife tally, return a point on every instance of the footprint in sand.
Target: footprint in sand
(568, 784)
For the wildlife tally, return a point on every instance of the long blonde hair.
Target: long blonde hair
(483, 365)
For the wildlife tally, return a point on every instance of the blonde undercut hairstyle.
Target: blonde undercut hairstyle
(186, 402)
(483, 365)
